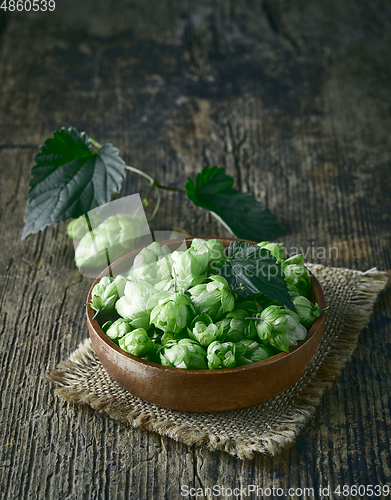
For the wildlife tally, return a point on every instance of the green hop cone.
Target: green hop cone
(197, 243)
(221, 355)
(213, 298)
(118, 329)
(293, 291)
(77, 228)
(139, 293)
(188, 269)
(214, 249)
(136, 342)
(233, 328)
(74, 231)
(166, 337)
(249, 351)
(185, 353)
(158, 299)
(216, 252)
(137, 316)
(274, 248)
(307, 311)
(159, 250)
(164, 268)
(296, 274)
(236, 327)
(113, 237)
(145, 273)
(280, 327)
(173, 314)
(145, 265)
(203, 330)
(139, 299)
(144, 257)
(166, 285)
(104, 296)
(297, 259)
(120, 282)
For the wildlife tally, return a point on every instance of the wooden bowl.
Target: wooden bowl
(205, 390)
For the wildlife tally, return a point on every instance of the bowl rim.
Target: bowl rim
(92, 323)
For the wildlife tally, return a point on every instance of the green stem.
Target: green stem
(154, 184)
(149, 192)
(108, 261)
(92, 233)
(156, 206)
(140, 172)
(177, 190)
(157, 186)
(96, 144)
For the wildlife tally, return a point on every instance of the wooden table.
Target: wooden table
(294, 100)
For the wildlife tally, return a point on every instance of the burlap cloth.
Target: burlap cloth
(265, 428)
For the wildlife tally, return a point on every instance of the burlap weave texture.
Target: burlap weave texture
(265, 428)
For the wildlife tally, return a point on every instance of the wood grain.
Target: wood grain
(293, 99)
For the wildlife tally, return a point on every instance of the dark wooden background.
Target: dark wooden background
(293, 98)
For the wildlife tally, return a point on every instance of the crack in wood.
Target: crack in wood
(196, 475)
(198, 63)
(236, 145)
(272, 10)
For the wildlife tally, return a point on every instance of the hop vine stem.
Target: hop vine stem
(167, 188)
(154, 184)
(153, 181)
(95, 143)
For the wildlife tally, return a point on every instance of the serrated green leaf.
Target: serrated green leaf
(69, 179)
(239, 212)
(250, 269)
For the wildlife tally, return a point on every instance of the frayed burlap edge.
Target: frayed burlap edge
(72, 372)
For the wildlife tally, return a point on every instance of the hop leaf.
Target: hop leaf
(250, 269)
(69, 179)
(239, 212)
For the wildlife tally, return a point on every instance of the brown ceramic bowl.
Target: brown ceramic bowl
(205, 390)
